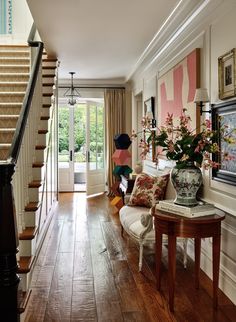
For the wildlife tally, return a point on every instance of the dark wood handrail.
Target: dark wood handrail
(20, 128)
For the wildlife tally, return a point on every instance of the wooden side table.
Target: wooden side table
(197, 228)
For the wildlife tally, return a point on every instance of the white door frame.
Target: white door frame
(66, 174)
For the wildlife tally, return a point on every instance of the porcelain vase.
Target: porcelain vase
(186, 182)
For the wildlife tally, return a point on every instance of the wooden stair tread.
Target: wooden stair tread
(47, 94)
(23, 299)
(48, 75)
(49, 67)
(40, 147)
(28, 233)
(35, 184)
(49, 60)
(24, 264)
(48, 84)
(44, 118)
(37, 164)
(32, 206)
(42, 131)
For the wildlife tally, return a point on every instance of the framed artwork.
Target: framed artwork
(225, 114)
(227, 75)
(149, 107)
(176, 90)
(149, 110)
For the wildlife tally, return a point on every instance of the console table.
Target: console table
(197, 228)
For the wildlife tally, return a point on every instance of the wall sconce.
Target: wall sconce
(201, 97)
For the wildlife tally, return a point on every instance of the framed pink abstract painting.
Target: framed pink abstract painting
(176, 89)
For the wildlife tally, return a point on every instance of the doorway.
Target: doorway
(81, 147)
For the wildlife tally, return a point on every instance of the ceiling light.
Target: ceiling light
(72, 92)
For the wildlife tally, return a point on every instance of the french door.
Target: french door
(95, 174)
(81, 146)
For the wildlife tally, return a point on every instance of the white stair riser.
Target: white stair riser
(50, 71)
(44, 124)
(48, 89)
(46, 111)
(38, 173)
(41, 139)
(40, 155)
(35, 194)
(49, 64)
(47, 100)
(25, 281)
(48, 80)
(31, 218)
(27, 247)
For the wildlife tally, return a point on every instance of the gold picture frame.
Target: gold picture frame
(227, 75)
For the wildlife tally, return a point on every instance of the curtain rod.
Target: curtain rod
(91, 87)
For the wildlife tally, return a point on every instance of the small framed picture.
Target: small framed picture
(224, 114)
(227, 75)
(149, 111)
(149, 108)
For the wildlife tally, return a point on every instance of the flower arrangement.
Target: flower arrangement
(184, 145)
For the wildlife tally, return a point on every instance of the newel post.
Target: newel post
(9, 280)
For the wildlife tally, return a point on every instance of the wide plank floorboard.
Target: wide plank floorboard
(87, 272)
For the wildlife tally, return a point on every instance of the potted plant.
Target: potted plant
(190, 149)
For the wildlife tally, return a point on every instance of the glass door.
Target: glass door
(81, 147)
(66, 148)
(95, 148)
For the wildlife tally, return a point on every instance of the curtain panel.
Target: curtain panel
(114, 124)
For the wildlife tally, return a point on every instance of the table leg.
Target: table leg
(216, 267)
(158, 258)
(171, 269)
(197, 250)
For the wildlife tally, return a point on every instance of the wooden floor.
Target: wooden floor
(86, 272)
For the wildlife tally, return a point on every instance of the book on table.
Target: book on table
(202, 209)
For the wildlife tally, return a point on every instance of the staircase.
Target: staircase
(33, 198)
(14, 75)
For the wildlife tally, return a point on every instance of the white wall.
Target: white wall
(21, 24)
(210, 26)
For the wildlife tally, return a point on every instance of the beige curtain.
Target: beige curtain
(114, 124)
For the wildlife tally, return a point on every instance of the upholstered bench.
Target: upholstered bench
(136, 220)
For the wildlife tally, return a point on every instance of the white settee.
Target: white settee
(137, 221)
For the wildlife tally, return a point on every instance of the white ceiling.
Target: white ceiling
(99, 39)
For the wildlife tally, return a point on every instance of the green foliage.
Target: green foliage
(96, 130)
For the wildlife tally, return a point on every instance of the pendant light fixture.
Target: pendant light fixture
(72, 92)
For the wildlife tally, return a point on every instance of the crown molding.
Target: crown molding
(188, 14)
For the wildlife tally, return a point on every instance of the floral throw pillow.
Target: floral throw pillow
(148, 190)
